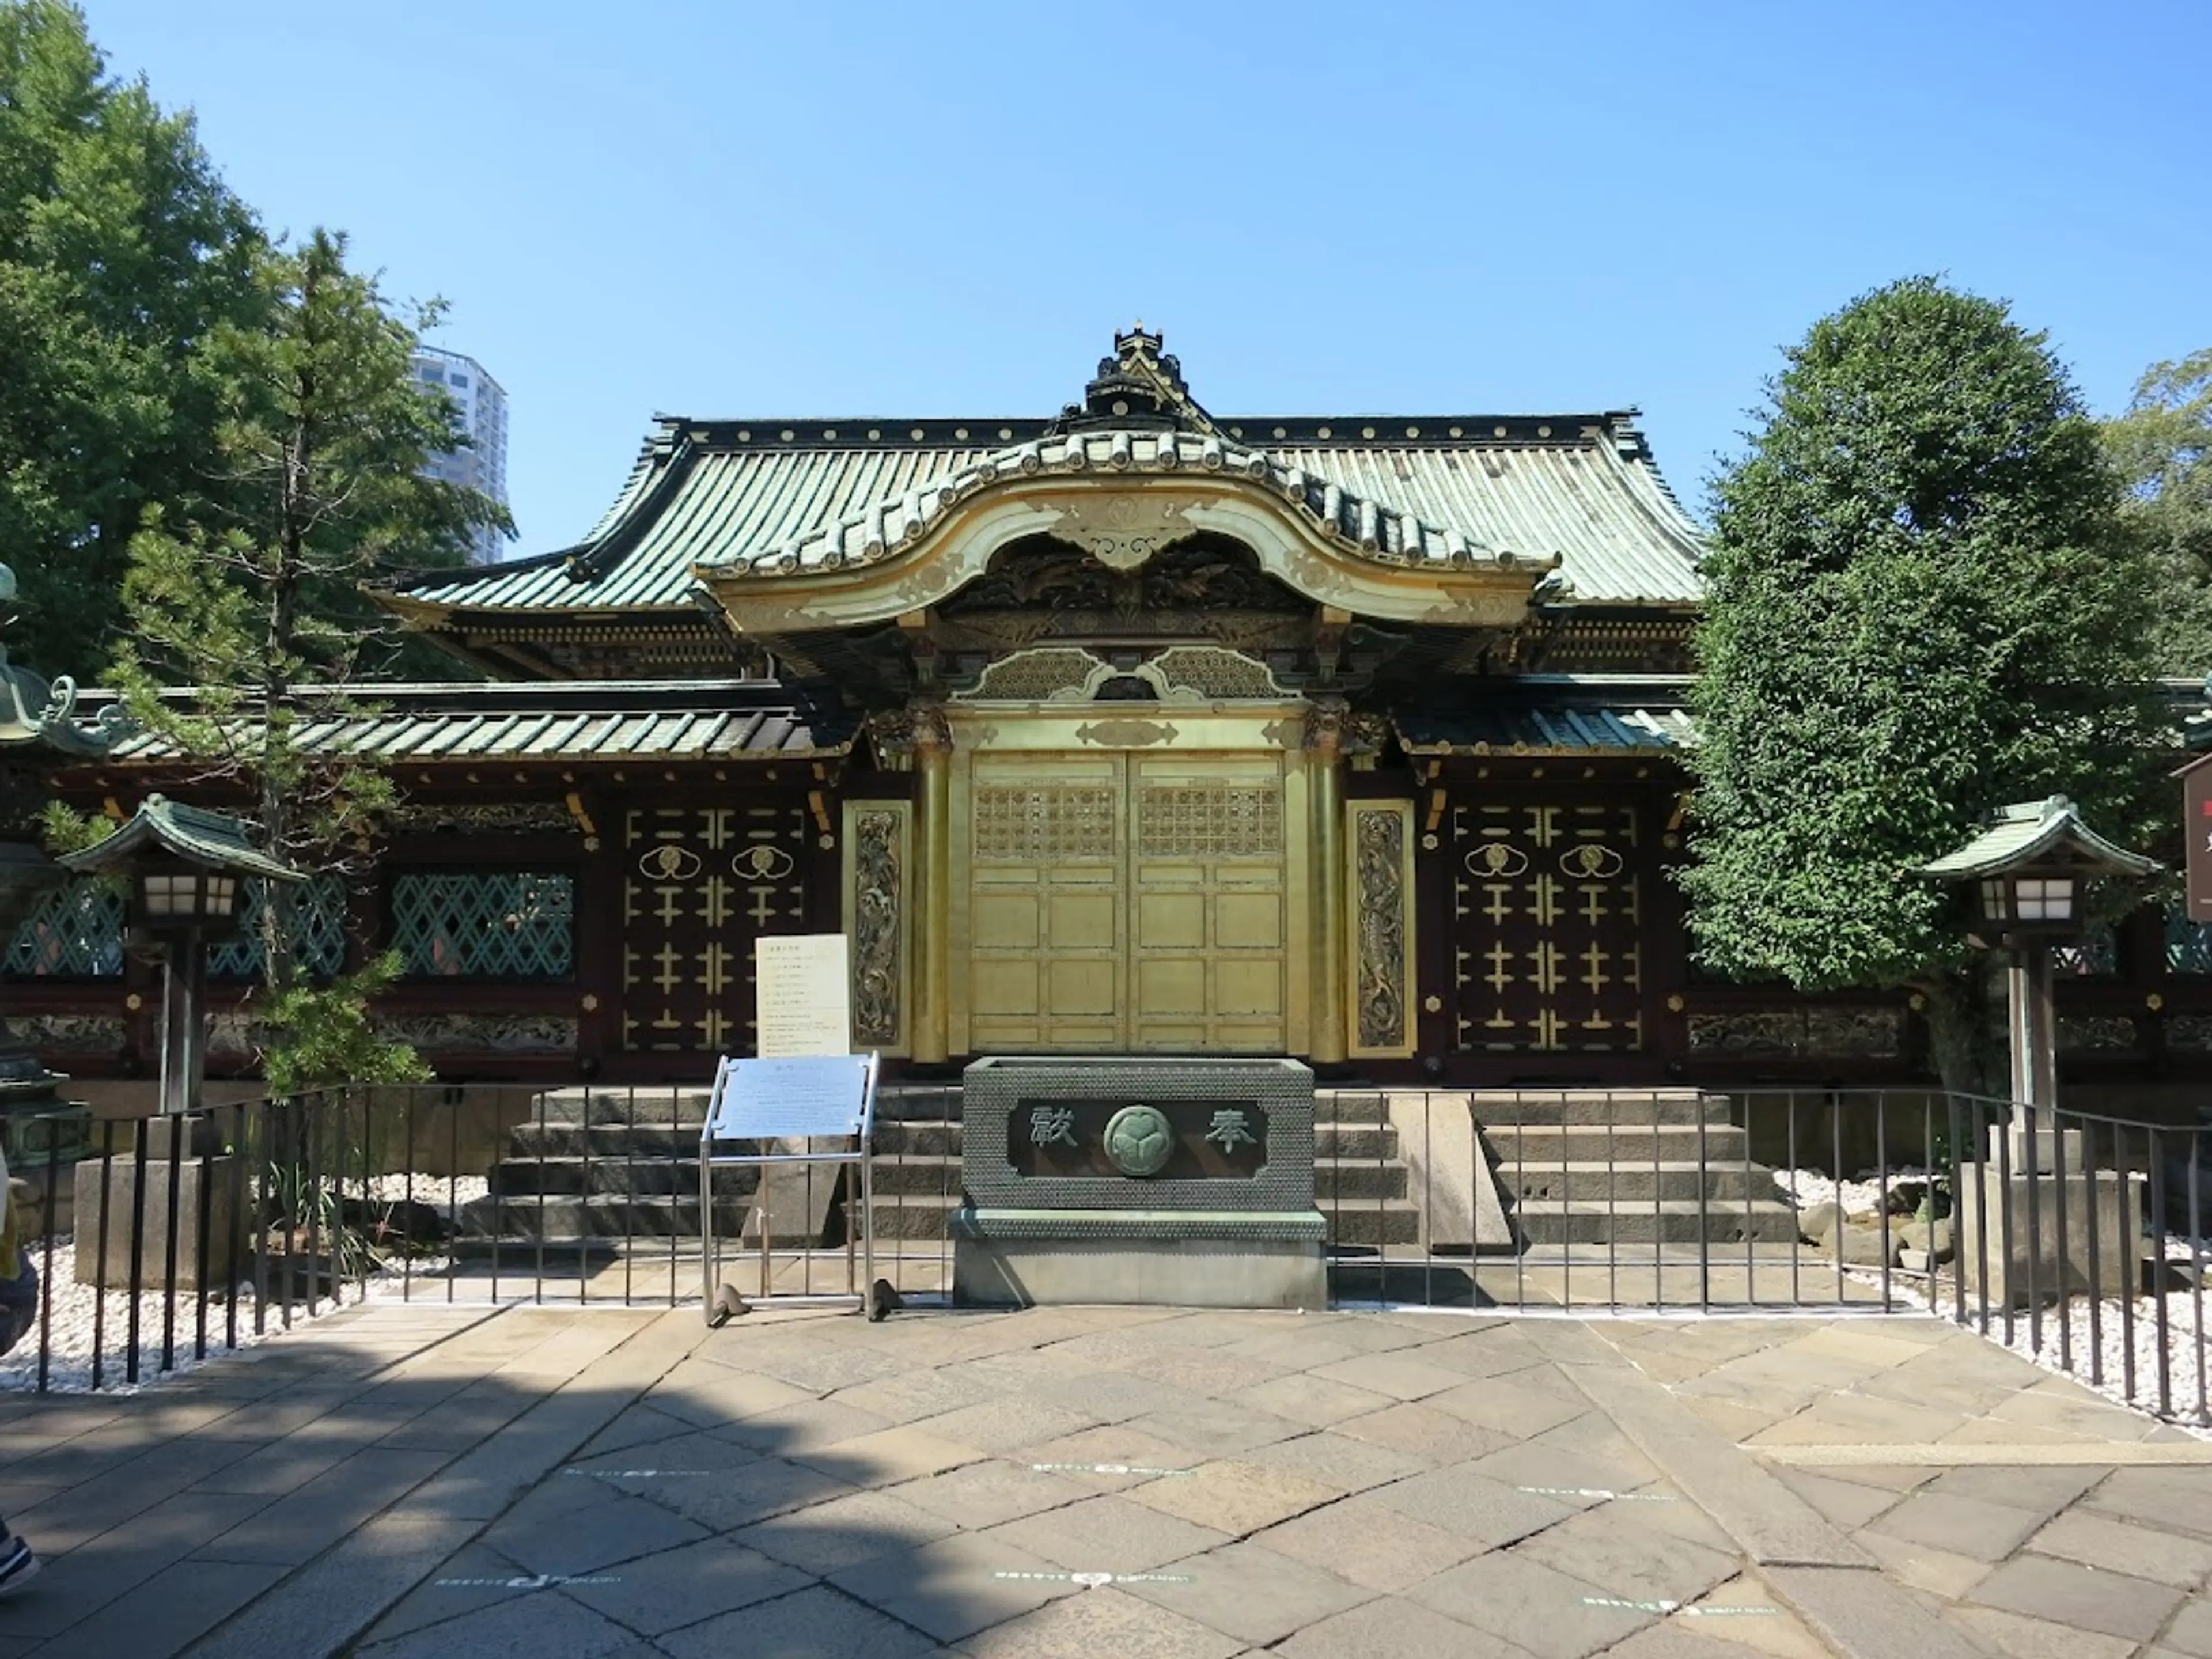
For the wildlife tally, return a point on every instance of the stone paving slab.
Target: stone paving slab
(545, 1482)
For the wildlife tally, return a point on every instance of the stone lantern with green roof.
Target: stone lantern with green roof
(38, 728)
(188, 868)
(2029, 873)
(2035, 1217)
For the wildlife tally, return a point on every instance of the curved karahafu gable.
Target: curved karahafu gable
(1123, 495)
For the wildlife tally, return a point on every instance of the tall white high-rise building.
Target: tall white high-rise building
(483, 402)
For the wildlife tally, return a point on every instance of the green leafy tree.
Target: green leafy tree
(320, 445)
(2163, 447)
(1921, 606)
(122, 253)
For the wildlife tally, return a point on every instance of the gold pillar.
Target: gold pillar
(932, 909)
(1325, 770)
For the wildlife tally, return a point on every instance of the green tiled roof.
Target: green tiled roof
(2050, 830)
(1579, 492)
(590, 721)
(193, 833)
(1554, 714)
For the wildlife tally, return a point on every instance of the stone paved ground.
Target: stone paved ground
(421, 1480)
(2027, 1512)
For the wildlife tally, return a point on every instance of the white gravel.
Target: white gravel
(447, 1197)
(1808, 1188)
(2109, 1344)
(76, 1307)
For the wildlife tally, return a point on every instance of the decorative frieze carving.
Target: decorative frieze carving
(76, 1033)
(1829, 1033)
(503, 1034)
(505, 818)
(2096, 1034)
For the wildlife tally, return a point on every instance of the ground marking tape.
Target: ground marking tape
(640, 1474)
(1600, 1491)
(1090, 1579)
(1674, 1609)
(533, 1581)
(1103, 1468)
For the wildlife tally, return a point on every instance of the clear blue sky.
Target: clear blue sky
(945, 209)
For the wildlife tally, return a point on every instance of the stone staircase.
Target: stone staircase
(1616, 1167)
(592, 1166)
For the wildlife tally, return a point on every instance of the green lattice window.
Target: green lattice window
(2095, 955)
(76, 933)
(2188, 945)
(319, 919)
(496, 925)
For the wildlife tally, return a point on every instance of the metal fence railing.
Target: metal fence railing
(2076, 1238)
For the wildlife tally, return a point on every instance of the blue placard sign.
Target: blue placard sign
(808, 1094)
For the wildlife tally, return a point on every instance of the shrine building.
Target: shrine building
(1127, 729)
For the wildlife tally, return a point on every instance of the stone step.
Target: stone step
(1507, 1108)
(923, 1137)
(1597, 1143)
(1377, 1142)
(1351, 1106)
(525, 1177)
(597, 1218)
(687, 1104)
(1670, 1221)
(647, 1104)
(1375, 1221)
(1638, 1181)
(610, 1142)
(660, 1138)
(935, 1174)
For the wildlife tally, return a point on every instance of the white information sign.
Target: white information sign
(803, 995)
(798, 1095)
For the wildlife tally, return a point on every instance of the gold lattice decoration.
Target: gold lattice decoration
(1033, 675)
(1030, 824)
(1547, 927)
(1210, 821)
(1212, 670)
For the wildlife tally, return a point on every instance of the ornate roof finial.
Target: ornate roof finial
(33, 712)
(1139, 385)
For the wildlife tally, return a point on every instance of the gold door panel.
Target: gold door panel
(1125, 904)
(1207, 871)
(1046, 847)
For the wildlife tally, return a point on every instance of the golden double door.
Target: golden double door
(1124, 902)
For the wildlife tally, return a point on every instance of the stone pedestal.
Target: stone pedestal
(2041, 1153)
(1992, 1220)
(201, 1187)
(1187, 1182)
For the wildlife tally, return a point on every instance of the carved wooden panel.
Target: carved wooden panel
(879, 919)
(700, 885)
(1379, 879)
(1546, 925)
